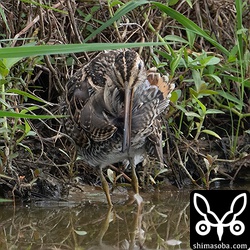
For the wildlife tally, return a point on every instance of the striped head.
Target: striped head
(129, 72)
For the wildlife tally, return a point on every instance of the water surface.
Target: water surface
(87, 223)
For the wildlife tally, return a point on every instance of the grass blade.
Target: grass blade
(67, 48)
(119, 13)
(187, 23)
(27, 95)
(27, 116)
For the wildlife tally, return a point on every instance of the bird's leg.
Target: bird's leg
(105, 188)
(105, 225)
(134, 181)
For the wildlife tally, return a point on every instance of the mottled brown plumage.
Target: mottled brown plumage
(114, 111)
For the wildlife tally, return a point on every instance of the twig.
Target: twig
(183, 166)
(30, 24)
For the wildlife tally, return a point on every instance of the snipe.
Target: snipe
(114, 106)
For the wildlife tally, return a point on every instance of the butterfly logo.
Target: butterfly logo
(203, 227)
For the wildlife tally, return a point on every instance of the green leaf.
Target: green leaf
(14, 155)
(5, 200)
(161, 171)
(239, 26)
(246, 83)
(4, 130)
(210, 132)
(214, 111)
(181, 108)
(190, 3)
(5, 103)
(175, 62)
(172, 2)
(115, 2)
(23, 51)
(31, 133)
(20, 115)
(4, 71)
(202, 106)
(193, 92)
(176, 94)
(9, 62)
(192, 114)
(197, 79)
(87, 18)
(207, 92)
(27, 148)
(27, 127)
(191, 37)
(23, 93)
(209, 60)
(233, 54)
(216, 78)
(230, 97)
(175, 38)
(4, 18)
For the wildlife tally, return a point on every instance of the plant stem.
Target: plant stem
(111, 12)
(5, 126)
(5, 123)
(161, 39)
(222, 106)
(236, 112)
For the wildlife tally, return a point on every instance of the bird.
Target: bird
(113, 107)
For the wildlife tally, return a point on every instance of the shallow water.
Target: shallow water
(86, 222)
(161, 223)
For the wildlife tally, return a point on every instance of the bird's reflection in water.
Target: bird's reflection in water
(136, 235)
(92, 225)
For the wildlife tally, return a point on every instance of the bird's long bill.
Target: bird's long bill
(127, 118)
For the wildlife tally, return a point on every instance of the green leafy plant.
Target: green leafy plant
(214, 84)
(14, 123)
(202, 73)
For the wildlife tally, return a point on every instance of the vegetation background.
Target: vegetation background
(202, 45)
